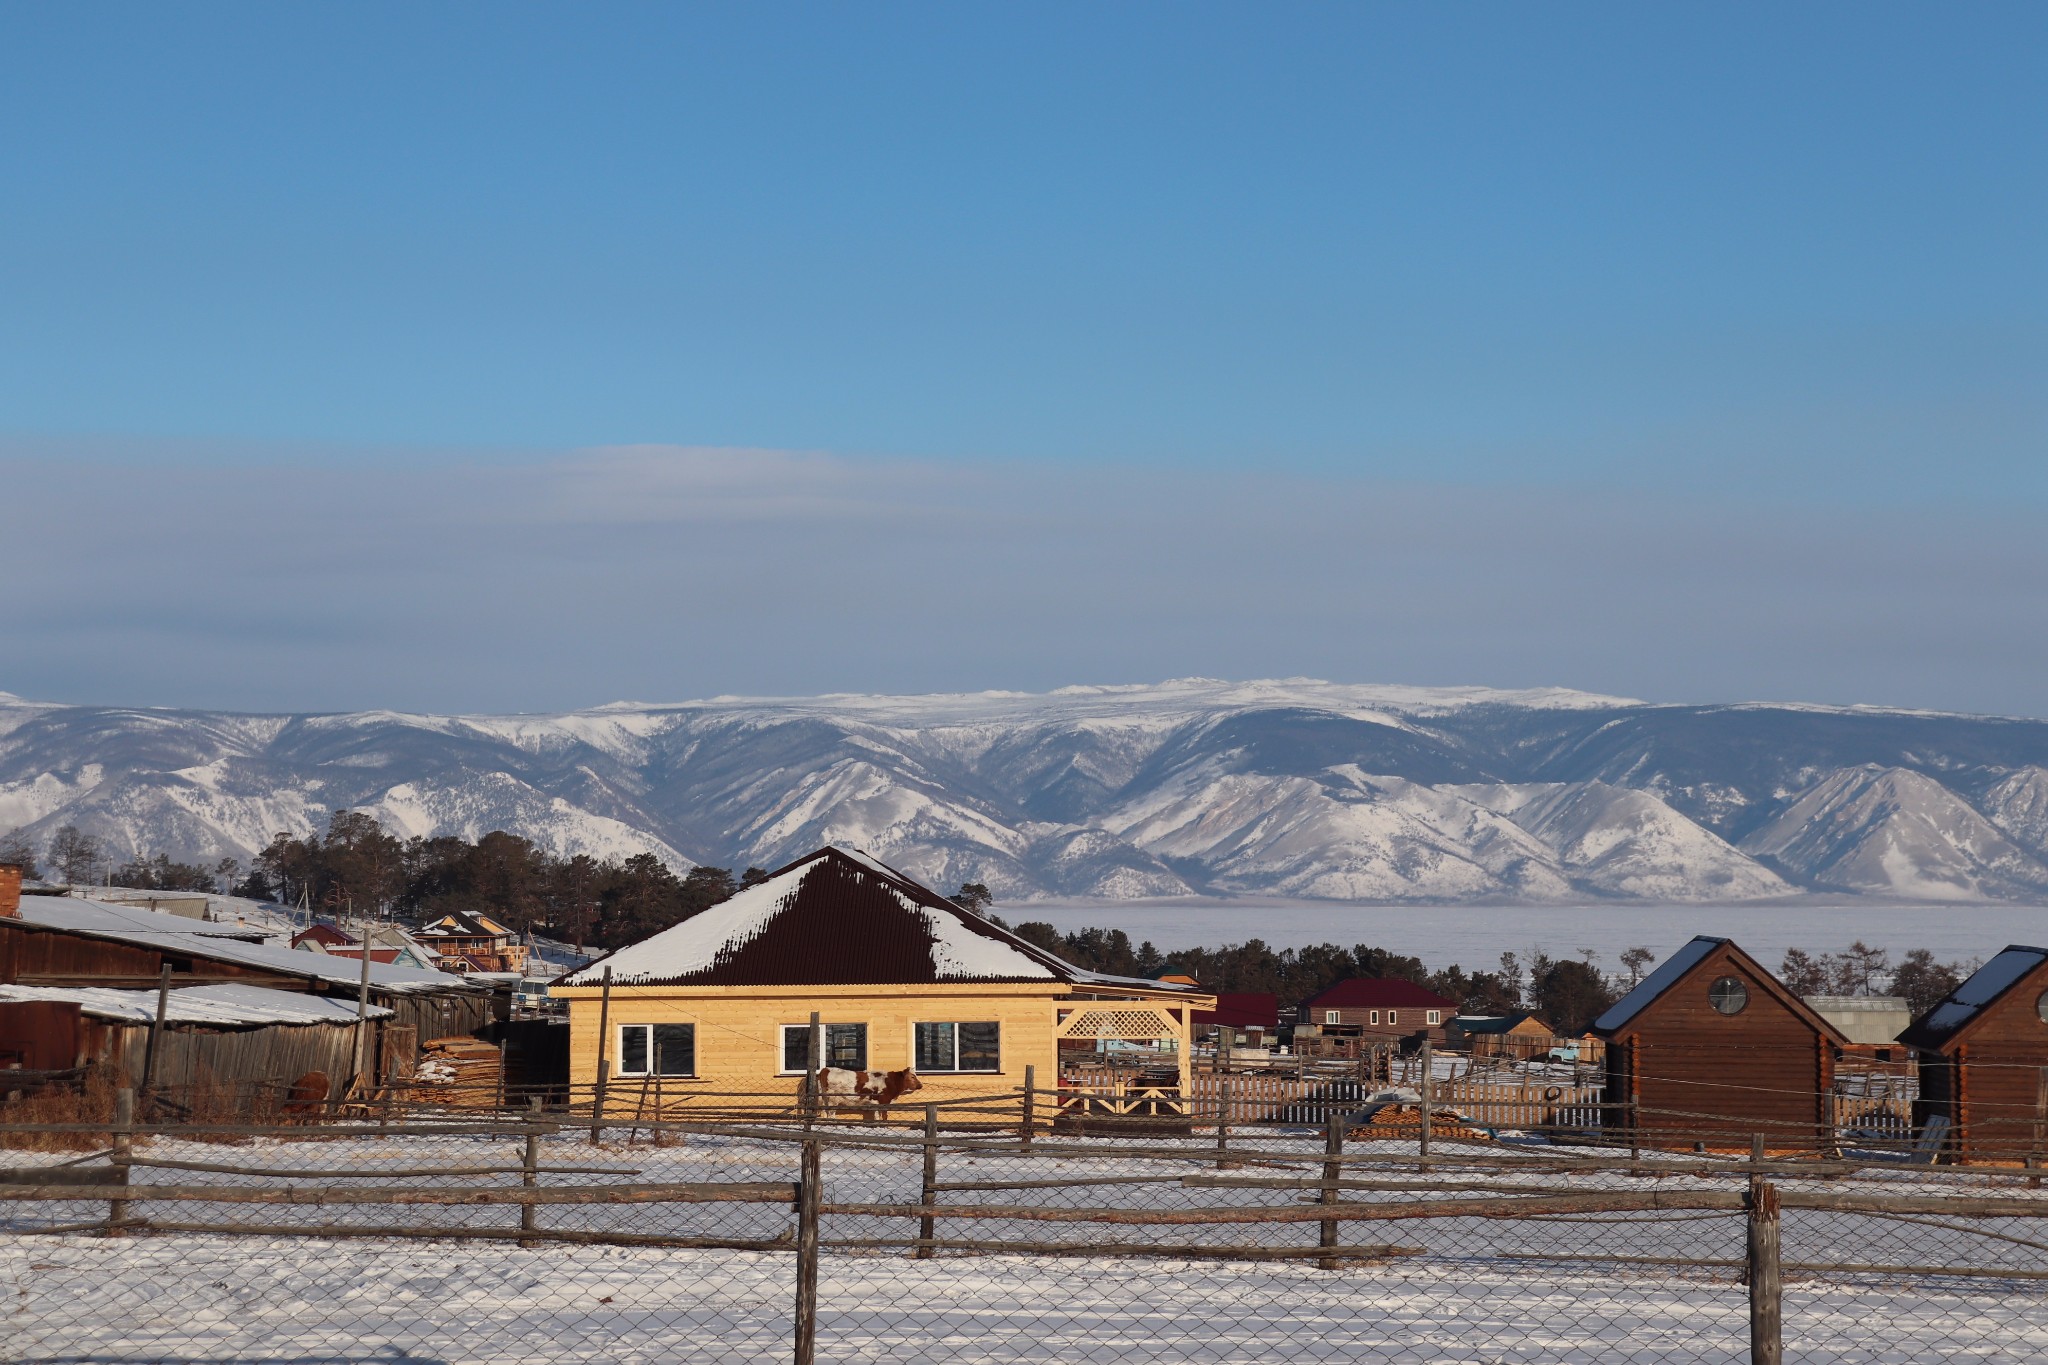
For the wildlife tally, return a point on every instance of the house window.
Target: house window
(1333, 1016)
(2041, 1007)
(846, 1046)
(959, 1047)
(1393, 1016)
(657, 1050)
(1436, 1016)
(1374, 1017)
(1728, 995)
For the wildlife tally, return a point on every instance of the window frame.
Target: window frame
(1373, 1017)
(618, 1067)
(956, 1069)
(1333, 1016)
(1738, 991)
(1393, 1018)
(1433, 1017)
(782, 1055)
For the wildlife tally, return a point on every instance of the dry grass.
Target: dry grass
(92, 1101)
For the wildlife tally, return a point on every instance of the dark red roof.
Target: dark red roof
(326, 935)
(837, 917)
(1242, 1009)
(1378, 993)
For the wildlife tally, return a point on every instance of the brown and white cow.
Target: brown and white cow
(868, 1091)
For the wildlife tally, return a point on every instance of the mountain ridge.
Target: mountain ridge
(1205, 787)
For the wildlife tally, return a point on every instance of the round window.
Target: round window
(1728, 995)
(2041, 1007)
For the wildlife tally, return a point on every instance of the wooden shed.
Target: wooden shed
(60, 941)
(227, 1037)
(902, 977)
(1983, 1060)
(1711, 1048)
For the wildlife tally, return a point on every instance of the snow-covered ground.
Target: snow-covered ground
(1527, 1290)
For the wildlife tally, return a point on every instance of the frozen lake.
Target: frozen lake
(1474, 936)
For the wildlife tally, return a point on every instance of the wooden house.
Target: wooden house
(469, 942)
(1378, 1010)
(1983, 1060)
(901, 976)
(1711, 1048)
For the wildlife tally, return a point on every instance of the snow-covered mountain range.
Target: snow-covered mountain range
(1290, 788)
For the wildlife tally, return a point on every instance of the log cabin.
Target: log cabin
(1712, 1049)
(1983, 1061)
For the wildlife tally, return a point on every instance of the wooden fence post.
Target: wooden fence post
(1333, 1170)
(928, 1194)
(123, 1144)
(1222, 1123)
(814, 1054)
(604, 1029)
(1766, 1305)
(156, 1031)
(530, 1177)
(1030, 1097)
(361, 1080)
(1428, 1070)
(2040, 1128)
(807, 1200)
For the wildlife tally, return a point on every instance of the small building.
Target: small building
(244, 1043)
(1711, 1048)
(1378, 1010)
(60, 941)
(470, 942)
(1240, 1018)
(1518, 1036)
(389, 945)
(902, 979)
(1983, 1060)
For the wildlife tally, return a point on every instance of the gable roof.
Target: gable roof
(1962, 1007)
(837, 917)
(1379, 992)
(1680, 965)
(175, 934)
(1498, 1023)
(465, 924)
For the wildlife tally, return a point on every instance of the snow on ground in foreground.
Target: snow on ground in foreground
(75, 1300)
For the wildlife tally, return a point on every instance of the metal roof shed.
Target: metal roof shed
(1983, 1054)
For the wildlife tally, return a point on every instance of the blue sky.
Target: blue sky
(1714, 281)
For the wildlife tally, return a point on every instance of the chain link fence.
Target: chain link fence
(509, 1238)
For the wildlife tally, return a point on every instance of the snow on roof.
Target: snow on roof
(173, 933)
(1656, 983)
(1963, 1004)
(218, 1005)
(836, 917)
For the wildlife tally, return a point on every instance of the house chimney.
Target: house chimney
(10, 890)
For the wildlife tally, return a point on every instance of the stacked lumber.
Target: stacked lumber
(461, 1072)
(1396, 1122)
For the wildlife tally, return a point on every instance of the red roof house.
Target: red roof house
(1383, 1009)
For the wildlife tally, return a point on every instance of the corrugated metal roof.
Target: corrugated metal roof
(1960, 1007)
(1656, 983)
(224, 1005)
(170, 933)
(837, 917)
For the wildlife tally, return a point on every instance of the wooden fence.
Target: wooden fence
(1263, 1098)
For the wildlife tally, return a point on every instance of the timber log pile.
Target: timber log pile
(461, 1072)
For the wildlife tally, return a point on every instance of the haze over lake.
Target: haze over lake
(1475, 935)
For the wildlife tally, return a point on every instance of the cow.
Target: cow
(868, 1091)
(307, 1096)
